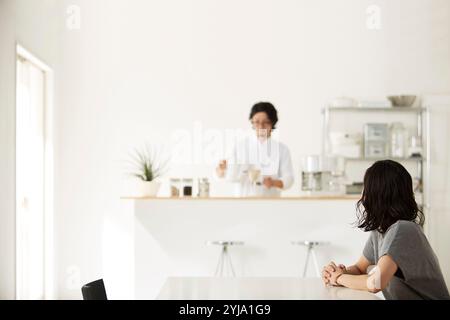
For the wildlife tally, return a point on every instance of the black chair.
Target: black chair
(94, 290)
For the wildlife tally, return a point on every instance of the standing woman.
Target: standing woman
(259, 153)
(405, 266)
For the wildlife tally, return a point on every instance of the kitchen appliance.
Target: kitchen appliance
(376, 140)
(311, 175)
(316, 174)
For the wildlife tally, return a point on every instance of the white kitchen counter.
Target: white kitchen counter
(257, 288)
(167, 237)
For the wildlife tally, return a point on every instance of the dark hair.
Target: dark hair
(387, 197)
(268, 108)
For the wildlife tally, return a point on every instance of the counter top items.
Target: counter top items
(323, 173)
(354, 188)
(311, 173)
(203, 187)
(187, 187)
(336, 166)
(402, 100)
(175, 187)
(148, 166)
(376, 140)
(256, 288)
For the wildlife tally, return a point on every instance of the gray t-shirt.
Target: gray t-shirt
(419, 275)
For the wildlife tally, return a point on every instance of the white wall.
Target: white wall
(439, 220)
(138, 70)
(33, 25)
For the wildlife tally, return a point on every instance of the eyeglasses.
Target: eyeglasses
(261, 124)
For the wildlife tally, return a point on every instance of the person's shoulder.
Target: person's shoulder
(405, 226)
(373, 235)
(282, 146)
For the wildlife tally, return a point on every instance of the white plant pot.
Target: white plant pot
(149, 188)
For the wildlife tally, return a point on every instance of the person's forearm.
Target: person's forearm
(358, 282)
(354, 270)
(278, 184)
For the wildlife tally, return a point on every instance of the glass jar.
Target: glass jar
(203, 187)
(311, 181)
(175, 187)
(187, 187)
(398, 140)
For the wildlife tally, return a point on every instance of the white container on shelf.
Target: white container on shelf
(398, 140)
(344, 144)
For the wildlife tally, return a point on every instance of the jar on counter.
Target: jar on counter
(187, 187)
(203, 187)
(175, 187)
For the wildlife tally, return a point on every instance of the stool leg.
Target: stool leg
(315, 262)
(305, 268)
(224, 257)
(219, 266)
(230, 263)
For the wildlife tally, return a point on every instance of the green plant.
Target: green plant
(147, 163)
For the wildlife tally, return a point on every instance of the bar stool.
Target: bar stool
(310, 245)
(224, 258)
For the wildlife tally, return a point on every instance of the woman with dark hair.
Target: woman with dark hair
(260, 157)
(403, 263)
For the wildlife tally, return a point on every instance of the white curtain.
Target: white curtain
(30, 181)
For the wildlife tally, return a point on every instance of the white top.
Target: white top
(256, 288)
(270, 157)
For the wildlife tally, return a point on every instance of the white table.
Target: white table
(256, 288)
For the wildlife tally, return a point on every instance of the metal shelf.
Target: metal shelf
(386, 158)
(375, 109)
(422, 114)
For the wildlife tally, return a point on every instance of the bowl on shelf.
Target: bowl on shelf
(402, 100)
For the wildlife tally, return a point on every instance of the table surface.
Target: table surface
(352, 197)
(256, 288)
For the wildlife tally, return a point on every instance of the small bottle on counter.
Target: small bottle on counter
(175, 186)
(203, 187)
(187, 187)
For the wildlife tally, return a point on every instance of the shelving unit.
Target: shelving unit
(422, 122)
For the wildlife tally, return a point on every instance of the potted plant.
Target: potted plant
(148, 168)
